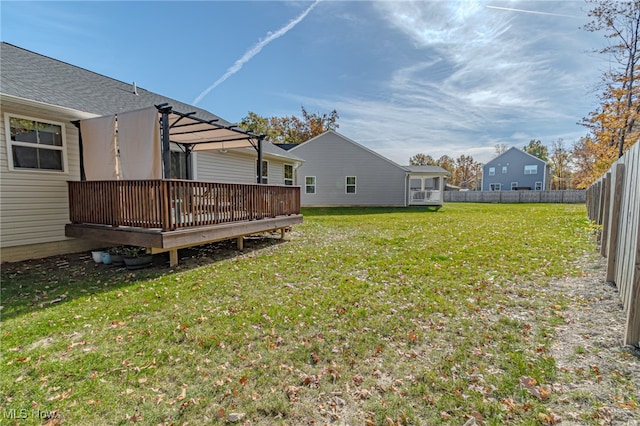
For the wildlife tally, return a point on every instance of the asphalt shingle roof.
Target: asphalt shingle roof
(29, 75)
(425, 169)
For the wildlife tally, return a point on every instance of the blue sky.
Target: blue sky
(406, 77)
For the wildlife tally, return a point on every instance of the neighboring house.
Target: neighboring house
(514, 170)
(42, 101)
(340, 172)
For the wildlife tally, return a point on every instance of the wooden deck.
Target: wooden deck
(166, 215)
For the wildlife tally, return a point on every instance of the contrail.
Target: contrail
(531, 11)
(237, 66)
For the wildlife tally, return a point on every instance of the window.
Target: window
(288, 174)
(350, 185)
(265, 171)
(415, 184)
(495, 187)
(531, 169)
(178, 165)
(492, 171)
(538, 186)
(431, 184)
(309, 184)
(35, 145)
(504, 170)
(514, 186)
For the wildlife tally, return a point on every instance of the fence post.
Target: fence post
(612, 252)
(606, 210)
(632, 332)
(601, 201)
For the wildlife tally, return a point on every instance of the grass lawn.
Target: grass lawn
(364, 316)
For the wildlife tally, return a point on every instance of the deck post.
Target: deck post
(166, 148)
(240, 243)
(173, 257)
(260, 159)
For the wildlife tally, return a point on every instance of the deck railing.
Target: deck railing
(173, 204)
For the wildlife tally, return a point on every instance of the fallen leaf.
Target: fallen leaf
(183, 393)
(444, 415)
(629, 405)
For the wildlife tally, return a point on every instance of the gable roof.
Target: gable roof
(412, 169)
(509, 151)
(32, 76)
(346, 139)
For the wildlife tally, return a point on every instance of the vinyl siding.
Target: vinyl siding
(331, 157)
(236, 167)
(35, 204)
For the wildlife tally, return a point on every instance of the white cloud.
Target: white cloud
(480, 77)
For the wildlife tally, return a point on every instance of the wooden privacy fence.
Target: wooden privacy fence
(171, 204)
(566, 196)
(614, 202)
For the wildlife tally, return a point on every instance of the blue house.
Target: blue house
(514, 170)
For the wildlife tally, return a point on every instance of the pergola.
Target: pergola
(193, 133)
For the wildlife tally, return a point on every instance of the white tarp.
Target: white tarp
(99, 148)
(139, 144)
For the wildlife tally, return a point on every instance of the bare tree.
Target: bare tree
(560, 165)
(500, 149)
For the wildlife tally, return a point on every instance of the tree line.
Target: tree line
(290, 129)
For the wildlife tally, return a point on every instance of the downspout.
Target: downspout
(406, 190)
(83, 176)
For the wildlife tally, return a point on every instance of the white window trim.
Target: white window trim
(10, 144)
(355, 185)
(285, 179)
(492, 171)
(315, 185)
(504, 170)
(492, 187)
(514, 186)
(531, 171)
(538, 186)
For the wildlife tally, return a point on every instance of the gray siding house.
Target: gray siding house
(340, 172)
(514, 170)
